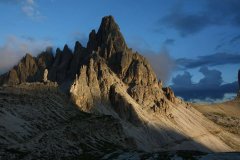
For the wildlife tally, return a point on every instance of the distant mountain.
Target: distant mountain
(108, 78)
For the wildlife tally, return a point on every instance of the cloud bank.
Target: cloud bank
(209, 87)
(212, 13)
(209, 60)
(14, 48)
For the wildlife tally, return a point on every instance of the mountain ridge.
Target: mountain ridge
(108, 78)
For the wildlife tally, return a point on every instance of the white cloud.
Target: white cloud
(30, 2)
(30, 9)
(15, 48)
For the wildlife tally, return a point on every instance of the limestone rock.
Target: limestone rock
(79, 55)
(29, 69)
(123, 106)
(61, 65)
(24, 71)
(169, 94)
(45, 75)
(92, 42)
(109, 32)
(45, 59)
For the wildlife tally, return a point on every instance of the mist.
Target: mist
(162, 63)
(14, 48)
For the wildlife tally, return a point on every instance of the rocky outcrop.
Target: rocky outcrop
(123, 105)
(131, 68)
(169, 94)
(79, 55)
(29, 69)
(61, 65)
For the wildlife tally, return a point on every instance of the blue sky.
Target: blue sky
(187, 30)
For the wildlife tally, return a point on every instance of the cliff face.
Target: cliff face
(109, 63)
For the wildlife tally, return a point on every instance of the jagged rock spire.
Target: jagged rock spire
(92, 42)
(110, 31)
(77, 47)
(108, 35)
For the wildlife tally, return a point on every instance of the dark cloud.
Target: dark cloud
(185, 24)
(182, 80)
(219, 46)
(209, 87)
(228, 42)
(209, 60)
(234, 39)
(212, 78)
(169, 41)
(214, 12)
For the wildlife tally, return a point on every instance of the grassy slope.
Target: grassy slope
(226, 114)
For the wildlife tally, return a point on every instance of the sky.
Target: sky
(192, 45)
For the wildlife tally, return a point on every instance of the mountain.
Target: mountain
(108, 79)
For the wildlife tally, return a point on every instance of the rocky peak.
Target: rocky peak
(66, 50)
(26, 70)
(109, 32)
(108, 38)
(78, 47)
(27, 56)
(45, 59)
(92, 42)
(66, 54)
(28, 62)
